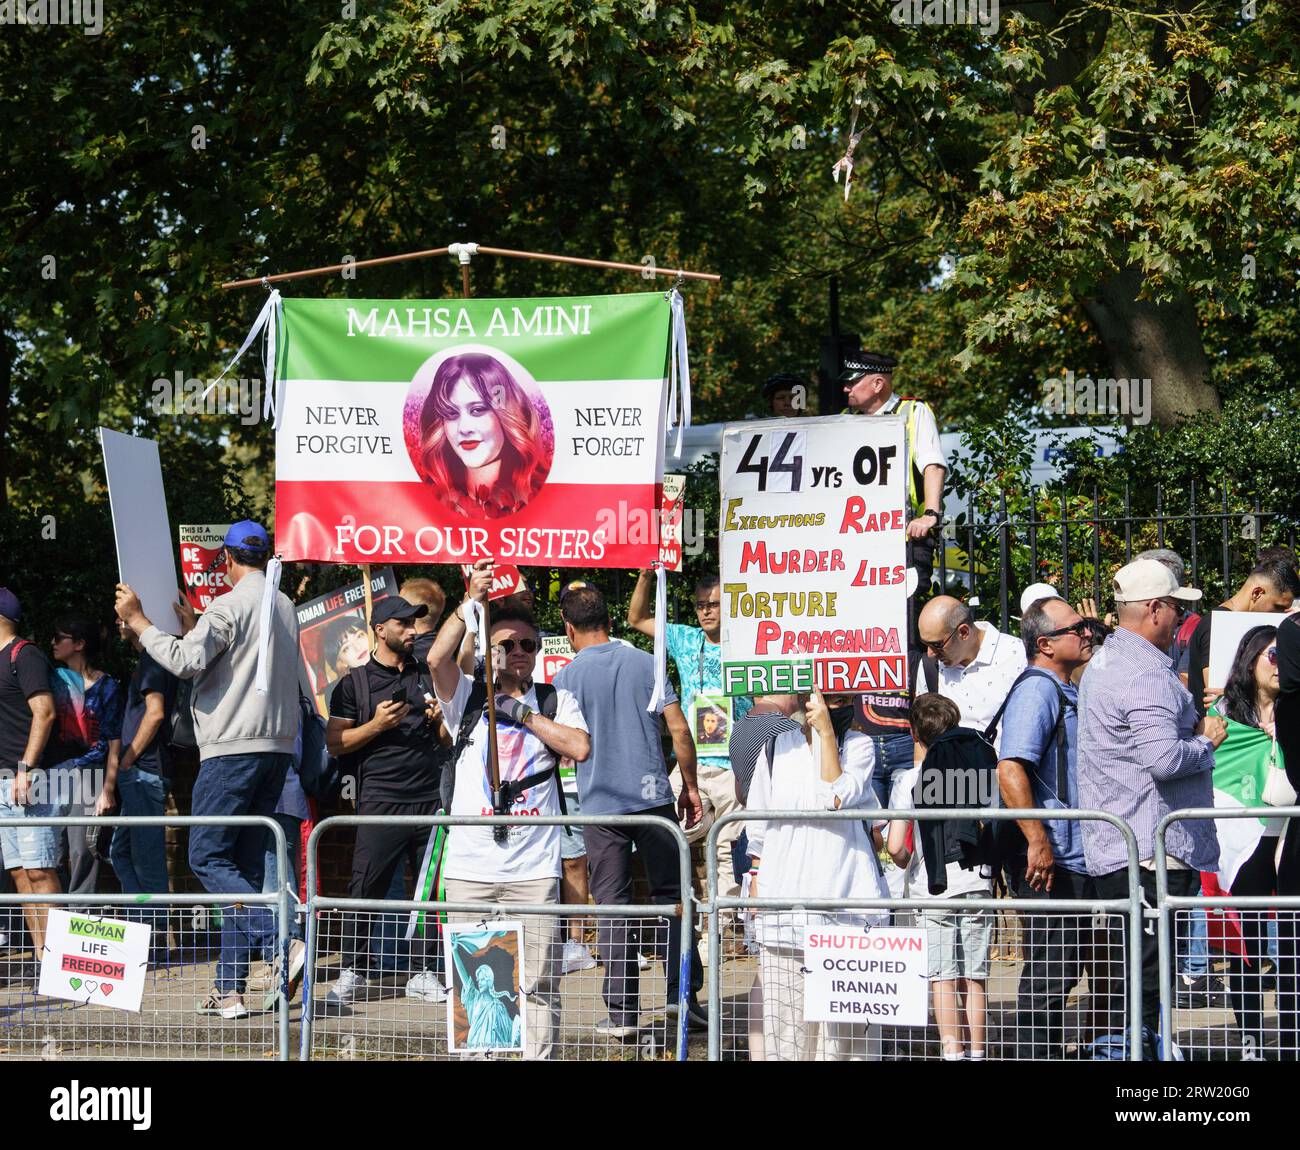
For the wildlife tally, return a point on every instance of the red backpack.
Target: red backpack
(1183, 636)
(14, 647)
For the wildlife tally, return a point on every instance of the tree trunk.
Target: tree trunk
(1156, 342)
(6, 398)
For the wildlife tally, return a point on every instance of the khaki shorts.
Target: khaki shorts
(957, 942)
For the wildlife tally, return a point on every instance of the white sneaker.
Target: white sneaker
(345, 987)
(642, 963)
(426, 987)
(577, 957)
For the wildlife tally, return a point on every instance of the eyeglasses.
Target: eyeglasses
(708, 604)
(1177, 608)
(527, 646)
(60, 637)
(937, 648)
(1272, 655)
(1080, 628)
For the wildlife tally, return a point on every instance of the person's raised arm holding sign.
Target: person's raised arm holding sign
(710, 713)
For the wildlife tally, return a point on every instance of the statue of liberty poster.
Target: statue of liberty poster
(485, 1011)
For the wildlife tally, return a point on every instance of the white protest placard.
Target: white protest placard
(553, 656)
(96, 961)
(1226, 631)
(812, 555)
(145, 556)
(855, 975)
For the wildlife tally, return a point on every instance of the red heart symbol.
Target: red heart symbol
(104, 986)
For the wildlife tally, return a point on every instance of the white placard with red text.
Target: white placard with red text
(812, 548)
(878, 975)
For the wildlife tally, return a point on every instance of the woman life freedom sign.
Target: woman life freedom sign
(443, 431)
(812, 555)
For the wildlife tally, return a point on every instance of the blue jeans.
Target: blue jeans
(229, 860)
(893, 757)
(1196, 959)
(292, 828)
(139, 854)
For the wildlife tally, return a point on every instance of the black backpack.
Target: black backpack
(181, 730)
(547, 701)
(318, 770)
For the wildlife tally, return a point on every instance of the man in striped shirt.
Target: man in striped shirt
(1144, 753)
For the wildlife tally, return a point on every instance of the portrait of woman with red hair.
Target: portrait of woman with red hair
(481, 442)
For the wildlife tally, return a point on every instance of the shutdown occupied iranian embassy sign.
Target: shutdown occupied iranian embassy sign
(444, 431)
(812, 550)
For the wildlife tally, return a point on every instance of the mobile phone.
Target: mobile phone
(399, 696)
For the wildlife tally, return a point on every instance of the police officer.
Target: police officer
(868, 384)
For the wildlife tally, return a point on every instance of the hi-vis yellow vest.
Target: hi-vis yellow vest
(915, 479)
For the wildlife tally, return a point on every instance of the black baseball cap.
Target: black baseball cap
(858, 363)
(395, 607)
(782, 381)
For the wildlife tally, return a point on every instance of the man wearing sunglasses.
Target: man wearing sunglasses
(524, 864)
(1143, 752)
(977, 662)
(1037, 768)
(378, 717)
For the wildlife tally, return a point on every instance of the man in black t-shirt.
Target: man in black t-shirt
(398, 755)
(26, 727)
(135, 782)
(1271, 586)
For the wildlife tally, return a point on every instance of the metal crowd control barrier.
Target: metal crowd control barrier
(425, 1033)
(1251, 983)
(1130, 906)
(165, 1013)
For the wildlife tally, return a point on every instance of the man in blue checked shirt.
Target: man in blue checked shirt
(1038, 768)
(1143, 752)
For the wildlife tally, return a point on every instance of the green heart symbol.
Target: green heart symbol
(76, 983)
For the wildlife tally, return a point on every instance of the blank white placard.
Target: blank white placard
(1226, 632)
(146, 558)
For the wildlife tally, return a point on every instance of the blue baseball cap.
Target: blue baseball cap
(247, 536)
(10, 608)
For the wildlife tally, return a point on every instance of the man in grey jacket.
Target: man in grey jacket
(246, 722)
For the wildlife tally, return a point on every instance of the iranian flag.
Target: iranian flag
(1241, 766)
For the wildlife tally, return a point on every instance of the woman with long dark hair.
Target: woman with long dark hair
(1249, 772)
(481, 443)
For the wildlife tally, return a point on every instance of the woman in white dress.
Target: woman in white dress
(814, 769)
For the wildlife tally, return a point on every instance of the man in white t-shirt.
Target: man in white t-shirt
(977, 663)
(521, 865)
